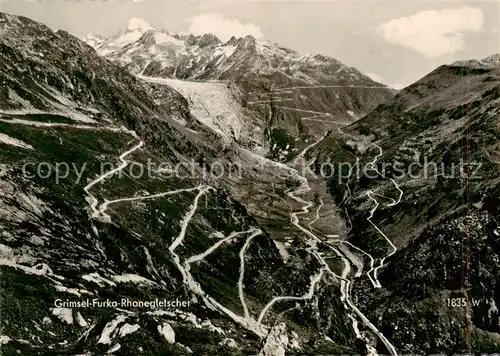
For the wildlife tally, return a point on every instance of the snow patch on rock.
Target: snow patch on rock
(110, 329)
(14, 142)
(131, 278)
(282, 250)
(64, 314)
(167, 332)
(128, 329)
(114, 349)
(80, 320)
(4, 339)
(96, 278)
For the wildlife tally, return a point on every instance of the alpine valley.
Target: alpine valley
(272, 257)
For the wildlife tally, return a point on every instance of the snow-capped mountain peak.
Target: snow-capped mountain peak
(131, 32)
(246, 42)
(93, 40)
(208, 39)
(156, 52)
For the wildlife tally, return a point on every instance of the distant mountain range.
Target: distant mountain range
(157, 52)
(256, 70)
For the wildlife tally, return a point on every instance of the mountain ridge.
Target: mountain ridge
(442, 133)
(255, 71)
(247, 42)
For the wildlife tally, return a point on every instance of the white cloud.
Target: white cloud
(397, 86)
(434, 33)
(222, 27)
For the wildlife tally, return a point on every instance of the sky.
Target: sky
(393, 41)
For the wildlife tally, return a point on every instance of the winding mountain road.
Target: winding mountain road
(345, 284)
(247, 320)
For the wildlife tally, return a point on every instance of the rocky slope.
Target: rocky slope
(438, 142)
(78, 222)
